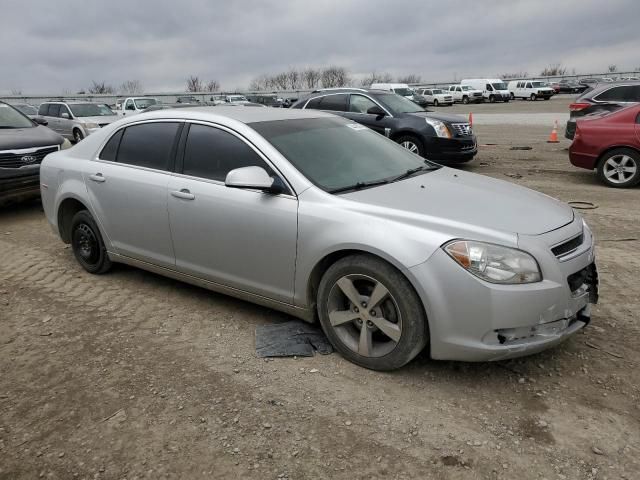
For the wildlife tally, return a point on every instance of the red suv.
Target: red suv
(610, 143)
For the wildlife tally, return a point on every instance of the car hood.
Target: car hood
(443, 117)
(99, 119)
(19, 138)
(453, 198)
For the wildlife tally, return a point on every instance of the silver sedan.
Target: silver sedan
(326, 220)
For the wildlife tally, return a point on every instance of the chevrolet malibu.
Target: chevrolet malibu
(322, 218)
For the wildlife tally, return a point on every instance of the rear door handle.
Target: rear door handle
(97, 178)
(184, 194)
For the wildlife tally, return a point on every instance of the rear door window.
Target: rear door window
(334, 103)
(148, 145)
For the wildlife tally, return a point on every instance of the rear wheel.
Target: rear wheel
(412, 144)
(371, 313)
(87, 244)
(620, 168)
(77, 135)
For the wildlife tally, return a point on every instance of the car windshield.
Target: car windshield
(436, 92)
(465, 88)
(142, 103)
(538, 84)
(27, 109)
(106, 110)
(12, 118)
(397, 104)
(87, 110)
(405, 92)
(336, 154)
(499, 86)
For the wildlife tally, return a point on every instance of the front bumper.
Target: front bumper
(473, 320)
(25, 185)
(451, 150)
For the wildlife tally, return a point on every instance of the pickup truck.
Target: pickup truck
(134, 105)
(465, 94)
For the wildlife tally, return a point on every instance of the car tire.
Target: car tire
(611, 164)
(513, 97)
(411, 143)
(78, 136)
(465, 99)
(532, 97)
(87, 244)
(492, 99)
(396, 326)
(435, 102)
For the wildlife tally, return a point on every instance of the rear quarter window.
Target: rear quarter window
(110, 150)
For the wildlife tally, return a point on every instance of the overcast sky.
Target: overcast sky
(55, 46)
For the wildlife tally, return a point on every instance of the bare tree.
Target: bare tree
(16, 91)
(259, 83)
(374, 77)
(212, 86)
(194, 84)
(100, 87)
(294, 77)
(311, 77)
(280, 81)
(411, 78)
(553, 70)
(131, 87)
(505, 76)
(612, 68)
(335, 77)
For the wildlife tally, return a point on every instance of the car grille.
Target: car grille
(568, 246)
(461, 129)
(10, 159)
(477, 94)
(448, 99)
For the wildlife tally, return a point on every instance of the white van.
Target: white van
(493, 89)
(529, 89)
(400, 88)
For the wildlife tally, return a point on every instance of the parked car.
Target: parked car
(168, 106)
(317, 216)
(493, 89)
(436, 136)
(187, 99)
(402, 89)
(570, 86)
(529, 89)
(589, 81)
(23, 145)
(75, 120)
(235, 99)
(29, 110)
(134, 105)
(603, 97)
(465, 94)
(609, 142)
(217, 99)
(436, 96)
(419, 99)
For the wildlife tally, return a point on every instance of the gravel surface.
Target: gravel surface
(131, 375)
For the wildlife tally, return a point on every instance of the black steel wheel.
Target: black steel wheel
(87, 244)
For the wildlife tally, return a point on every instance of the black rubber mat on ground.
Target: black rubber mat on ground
(288, 339)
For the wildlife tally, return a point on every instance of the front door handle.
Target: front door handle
(184, 194)
(97, 178)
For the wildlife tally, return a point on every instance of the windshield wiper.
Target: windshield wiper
(359, 186)
(412, 171)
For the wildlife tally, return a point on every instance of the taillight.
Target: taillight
(576, 107)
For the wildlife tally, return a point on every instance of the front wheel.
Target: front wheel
(412, 144)
(620, 168)
(371, 313)
(435, 102)
(78, 136)
(492, 99)
(465, 100)
(87, 244)
(533, 97)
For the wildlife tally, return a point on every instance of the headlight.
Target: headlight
(66, 144)
(90, 125)
(440, 128)
(494, 263)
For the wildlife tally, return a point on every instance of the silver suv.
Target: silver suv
(76, 120)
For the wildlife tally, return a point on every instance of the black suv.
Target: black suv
(23, 145)
(440, 137)
(604, 97)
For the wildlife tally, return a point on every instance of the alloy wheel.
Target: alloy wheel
(364, 315)
(620, 168)
(411, 146)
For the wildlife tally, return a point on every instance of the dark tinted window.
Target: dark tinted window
(110, 150)
(625, 93)
(335, 103)
(54, 110)
(148, 145)
(63, 109)
(314, 103)
(212, 153)
(44, 109)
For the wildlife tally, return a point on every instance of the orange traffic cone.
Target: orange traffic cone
(471, 119)
(553, 138)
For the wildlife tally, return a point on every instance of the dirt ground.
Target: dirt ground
(131, 375)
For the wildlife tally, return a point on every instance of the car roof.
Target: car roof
(238, 113)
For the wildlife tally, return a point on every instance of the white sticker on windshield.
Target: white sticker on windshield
(356, 126)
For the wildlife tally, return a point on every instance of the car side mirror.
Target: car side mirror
(41, 121)
(255, 178)
(377, 111)
(65, 115)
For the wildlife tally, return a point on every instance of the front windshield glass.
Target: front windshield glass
(106, 110)
(334, 153)
(87, 110)
(538, 84)
(466, 88)
(436, 92)
(499, 86)
(142, 103)
(405, 92)
(12, 118)
(397, 104)
(27, 109)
